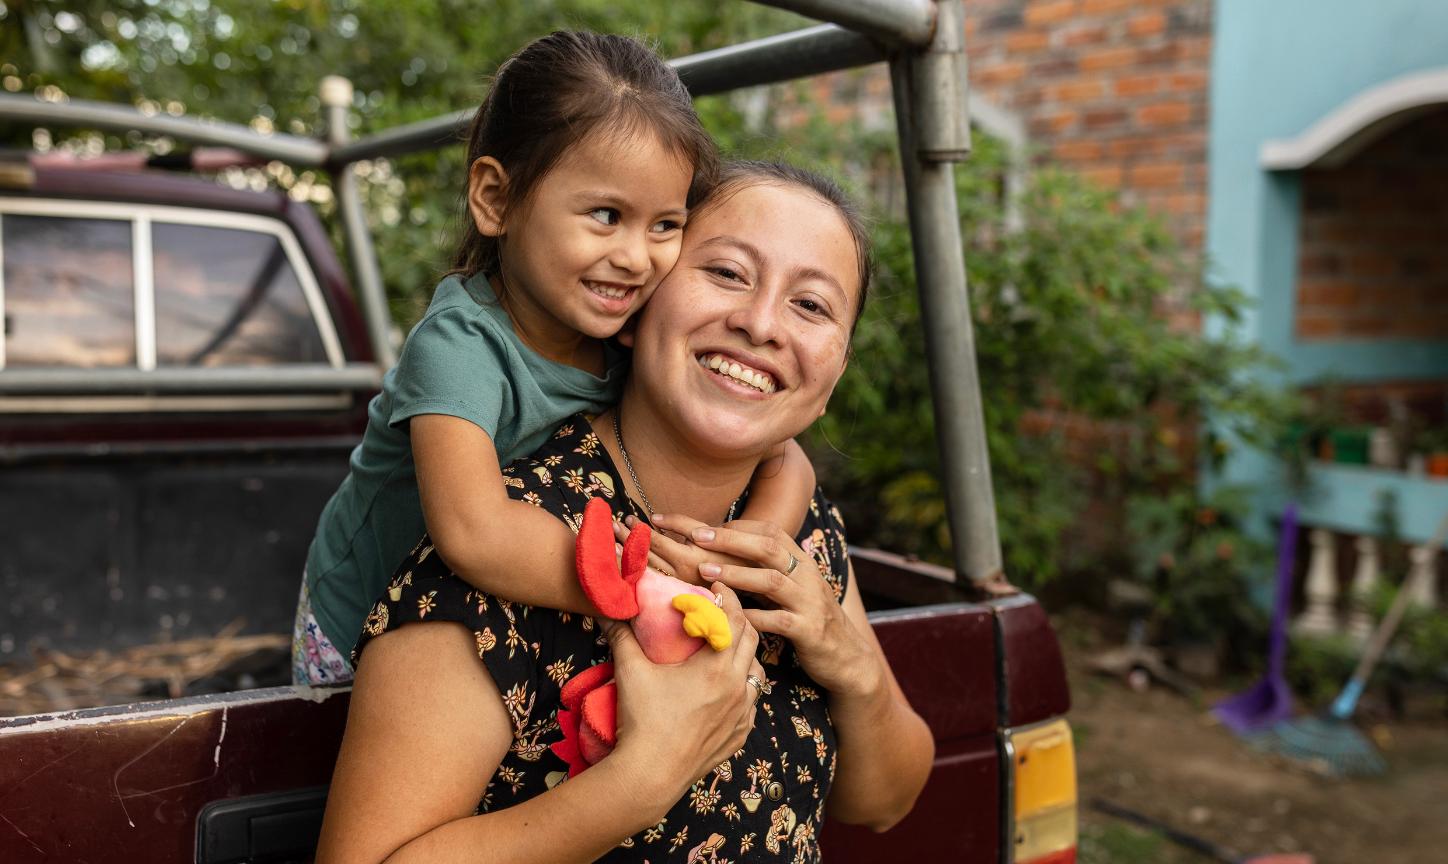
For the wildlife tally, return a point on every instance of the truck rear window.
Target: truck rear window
(69, 291)
(228, 297)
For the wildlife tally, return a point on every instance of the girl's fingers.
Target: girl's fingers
(656, 561)
(677, 523)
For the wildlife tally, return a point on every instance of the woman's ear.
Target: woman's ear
(487, 183)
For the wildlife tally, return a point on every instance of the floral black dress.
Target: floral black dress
(765, 803)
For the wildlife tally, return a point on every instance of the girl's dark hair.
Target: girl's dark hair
(739, 174)
(561, 88)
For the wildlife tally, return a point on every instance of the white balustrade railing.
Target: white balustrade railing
(1323, 601)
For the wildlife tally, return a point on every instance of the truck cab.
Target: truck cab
(136, 304)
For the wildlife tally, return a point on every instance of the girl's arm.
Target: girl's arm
(505, 547)
(427, 729)
(783, 485)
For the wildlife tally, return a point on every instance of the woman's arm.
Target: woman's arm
(505, 547)
(427, 729)
(783, 485)
(885, 747)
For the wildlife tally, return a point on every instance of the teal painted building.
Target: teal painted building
(1328, 204)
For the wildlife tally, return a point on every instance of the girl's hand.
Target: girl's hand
(830, 648)
(670, 551)
(677, 722)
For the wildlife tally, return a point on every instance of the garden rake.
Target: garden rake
(1330, 743)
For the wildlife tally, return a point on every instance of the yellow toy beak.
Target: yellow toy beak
(703, 619)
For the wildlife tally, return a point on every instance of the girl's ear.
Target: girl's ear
(487, 183)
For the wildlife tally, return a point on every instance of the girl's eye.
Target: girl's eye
(665, 226)
(605, 215)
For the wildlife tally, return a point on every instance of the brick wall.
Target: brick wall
(1373, 257)
(1115, 89)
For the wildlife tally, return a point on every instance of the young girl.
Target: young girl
(583, 160)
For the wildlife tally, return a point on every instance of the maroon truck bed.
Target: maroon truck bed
(242, 776)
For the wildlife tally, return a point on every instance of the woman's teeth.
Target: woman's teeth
(724, 366)
(613, 292)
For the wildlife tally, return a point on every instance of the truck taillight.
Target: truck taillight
(1043, 765)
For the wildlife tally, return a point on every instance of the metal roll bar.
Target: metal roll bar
(188, 380)
(924, 44)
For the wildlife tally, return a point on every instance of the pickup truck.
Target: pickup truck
(242, 776)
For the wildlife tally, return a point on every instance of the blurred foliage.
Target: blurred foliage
(1191, 550)
(1091, 394)
(1071, 291)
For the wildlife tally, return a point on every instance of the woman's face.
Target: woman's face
(744, 340)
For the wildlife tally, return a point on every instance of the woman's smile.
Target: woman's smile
(734, 373)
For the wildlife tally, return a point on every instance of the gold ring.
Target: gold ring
(793, 563)
(754, 682)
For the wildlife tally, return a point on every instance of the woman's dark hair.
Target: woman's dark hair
(561, 88)
(739, 174)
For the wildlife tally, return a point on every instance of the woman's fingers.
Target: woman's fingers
(780, 622)
(760, 542)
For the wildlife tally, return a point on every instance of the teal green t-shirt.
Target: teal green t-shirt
(462, 359)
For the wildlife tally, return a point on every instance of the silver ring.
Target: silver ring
(753, 681)
(793, 563)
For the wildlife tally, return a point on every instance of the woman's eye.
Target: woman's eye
(728, 273)
(814, 307)
(664, 226)
(605, 215)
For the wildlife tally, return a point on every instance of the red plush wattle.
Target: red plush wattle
(585, 682)
(636, 553)
(568, 749)
(598, 570)
(598, 733)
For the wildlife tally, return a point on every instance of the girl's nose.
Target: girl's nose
(631, 253)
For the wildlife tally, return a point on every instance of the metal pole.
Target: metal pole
(291, 149)
(909, 21)
(785, 57)
(930, 106)
(336, 96)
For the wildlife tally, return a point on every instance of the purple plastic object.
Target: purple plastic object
(1269, 700)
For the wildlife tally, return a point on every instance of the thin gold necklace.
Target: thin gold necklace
(628, 463)
(633, 475)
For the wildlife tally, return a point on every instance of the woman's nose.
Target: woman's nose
(757, 317)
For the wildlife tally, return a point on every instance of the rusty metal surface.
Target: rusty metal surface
(956, 818)
(1034, 675)
(80, 786)
(127, 783)
(944, 659)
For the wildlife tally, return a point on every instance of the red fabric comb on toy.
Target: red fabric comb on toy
(610, 589)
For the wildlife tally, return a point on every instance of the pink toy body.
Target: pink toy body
(643, 596)
(659, 627)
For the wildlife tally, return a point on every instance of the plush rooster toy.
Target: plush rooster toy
(671, 620)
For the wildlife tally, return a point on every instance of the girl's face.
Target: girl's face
(592, 240)
(745, 340)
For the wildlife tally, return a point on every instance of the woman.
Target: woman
(738, 350)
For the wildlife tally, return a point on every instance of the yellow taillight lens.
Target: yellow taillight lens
(1045, 793)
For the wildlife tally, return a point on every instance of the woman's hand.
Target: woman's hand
(830, 648)
(677, 722)
(671, 553)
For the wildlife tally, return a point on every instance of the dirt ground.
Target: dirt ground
(1163, 755)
